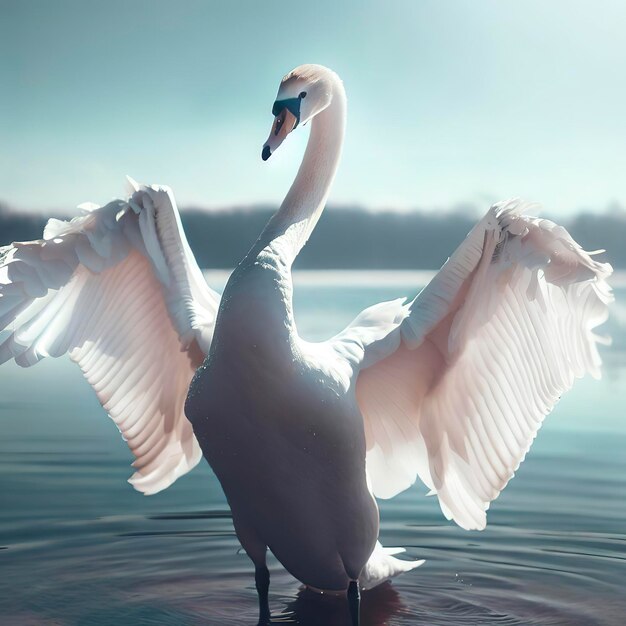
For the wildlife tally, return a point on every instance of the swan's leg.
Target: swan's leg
(354, 601)
(262, 581)
(257, 551)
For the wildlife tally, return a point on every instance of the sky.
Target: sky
(450, 102)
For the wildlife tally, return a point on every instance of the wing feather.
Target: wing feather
(119, 290)
(489, 346)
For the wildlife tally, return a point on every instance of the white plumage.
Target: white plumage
(451, 387)
(120, 291)
(487, 350)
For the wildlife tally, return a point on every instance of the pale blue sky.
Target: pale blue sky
(449, 101)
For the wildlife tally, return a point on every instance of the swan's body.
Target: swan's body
(451, 388)
(292, 465)
(302, 489)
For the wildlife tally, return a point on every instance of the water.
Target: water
(79, 547)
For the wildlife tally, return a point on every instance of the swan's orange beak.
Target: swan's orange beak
(284, 123)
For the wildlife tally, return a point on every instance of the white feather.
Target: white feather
(382, 565)
(487, 350)
(120, 292)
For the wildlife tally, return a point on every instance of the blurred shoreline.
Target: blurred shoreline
(415, 279)
(349, 238)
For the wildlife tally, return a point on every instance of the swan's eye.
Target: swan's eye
(284, 109)
(302, 95)
(280, 120)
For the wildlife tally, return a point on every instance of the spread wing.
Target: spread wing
(119, 290)
(488, 348)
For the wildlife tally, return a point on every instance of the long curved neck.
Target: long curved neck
(289, 229)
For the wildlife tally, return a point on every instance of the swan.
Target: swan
(450, 387)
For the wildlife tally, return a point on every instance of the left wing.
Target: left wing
(120, 291)
(488, 348)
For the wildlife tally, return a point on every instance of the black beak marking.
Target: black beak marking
(266, 154)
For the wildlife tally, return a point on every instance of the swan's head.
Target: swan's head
(303, 93)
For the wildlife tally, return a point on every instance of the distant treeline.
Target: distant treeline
(347, 238)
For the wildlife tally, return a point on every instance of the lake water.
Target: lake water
(79, 547)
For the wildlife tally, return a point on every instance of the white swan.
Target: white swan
(451, 387)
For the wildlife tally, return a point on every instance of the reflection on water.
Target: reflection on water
(79, 547)
(310, 609)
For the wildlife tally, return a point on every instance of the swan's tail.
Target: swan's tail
(382, 566)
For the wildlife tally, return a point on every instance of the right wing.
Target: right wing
(120, 291)
(486, 351)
